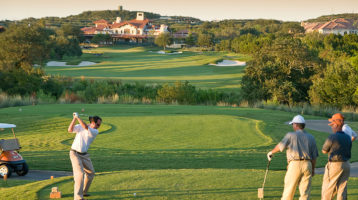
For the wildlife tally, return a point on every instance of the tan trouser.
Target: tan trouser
(298, 172)
(335, 180)
(83, 173)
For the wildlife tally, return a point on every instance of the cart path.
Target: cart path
(322, 125)
(39, 175)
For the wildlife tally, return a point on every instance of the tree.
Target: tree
(190, 39)
(67, 42)
(205, 40)
(163, 40)
(338, 86)
(22, 46)
(281, 72)
(101, 39)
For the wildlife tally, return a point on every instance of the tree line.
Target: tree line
(316, 69)
(287, 67)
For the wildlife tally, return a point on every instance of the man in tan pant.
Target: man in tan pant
(301, 157)
(338, 146)
(83, 171)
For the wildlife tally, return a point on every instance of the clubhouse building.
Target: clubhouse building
(134, 31)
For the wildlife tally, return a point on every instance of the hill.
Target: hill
(326, 18)
(86, 18)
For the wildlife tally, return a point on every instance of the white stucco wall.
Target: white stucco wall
(340, 31)
(132, 30)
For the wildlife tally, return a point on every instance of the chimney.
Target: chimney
(163, 28)
(140, 16)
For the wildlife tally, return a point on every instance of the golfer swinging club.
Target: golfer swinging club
(83, 171)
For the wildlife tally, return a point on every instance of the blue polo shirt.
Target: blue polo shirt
(338, 146)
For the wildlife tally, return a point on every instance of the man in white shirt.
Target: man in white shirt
(83, 171)
(348, 130)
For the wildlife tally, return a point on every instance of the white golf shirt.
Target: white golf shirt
(83, 138)
(348, 130)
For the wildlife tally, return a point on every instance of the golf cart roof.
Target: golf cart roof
(3, 125)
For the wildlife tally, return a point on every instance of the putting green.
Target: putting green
(182, 132)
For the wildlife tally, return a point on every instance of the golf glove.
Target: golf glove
(75, 115)
(269, 156)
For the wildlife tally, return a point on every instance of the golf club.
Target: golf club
(260, 191)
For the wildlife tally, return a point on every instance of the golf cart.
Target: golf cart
(10, 159)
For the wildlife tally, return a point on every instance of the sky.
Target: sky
(285, 10)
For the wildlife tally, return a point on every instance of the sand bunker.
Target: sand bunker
(63, 64)
(229, 63)
(163, 52)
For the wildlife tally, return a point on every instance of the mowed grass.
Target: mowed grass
(142, 64)
(160, 151)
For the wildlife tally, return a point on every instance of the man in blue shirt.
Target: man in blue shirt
(338, 147)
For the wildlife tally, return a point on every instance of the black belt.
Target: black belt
(337, 160)
(82, 154)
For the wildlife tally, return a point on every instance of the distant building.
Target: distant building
(339, 26)
(181, 34)
(135, 30)
(165, 18)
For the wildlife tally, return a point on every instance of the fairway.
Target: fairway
(141, 64)
(160, 151)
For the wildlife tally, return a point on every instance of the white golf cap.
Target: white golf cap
(298, 119)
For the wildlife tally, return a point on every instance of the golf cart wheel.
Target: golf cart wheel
(24, 170)
(5, 170)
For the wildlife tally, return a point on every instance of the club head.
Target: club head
(260, 193)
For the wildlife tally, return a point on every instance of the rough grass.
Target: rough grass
(138, 64)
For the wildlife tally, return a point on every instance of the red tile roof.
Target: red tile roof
(88, 30)
(101, 27)
(312, 26)
(338, 24)
(134, 22)
(101, 21)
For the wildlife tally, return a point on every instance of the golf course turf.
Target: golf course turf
(140, 64)
(160, 151)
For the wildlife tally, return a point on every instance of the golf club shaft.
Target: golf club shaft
(268, 165)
